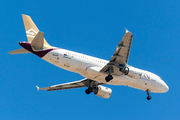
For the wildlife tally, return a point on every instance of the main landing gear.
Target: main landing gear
(148, 97)
(108, 78)
(125, 70)
(91, 86)
(89, 90)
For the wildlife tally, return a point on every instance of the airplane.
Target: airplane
(96, 72)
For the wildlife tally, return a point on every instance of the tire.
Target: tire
(87, 91)
(126, 73)
(149, 97)
(108, 78)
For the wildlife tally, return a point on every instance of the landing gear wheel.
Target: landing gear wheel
(149, 97)
(125, 70)
(108, 78)
(88, 91)
(126, 73)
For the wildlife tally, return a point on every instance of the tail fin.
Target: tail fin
(34, 37)
(32, 30)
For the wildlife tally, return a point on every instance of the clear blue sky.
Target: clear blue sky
(95, 28)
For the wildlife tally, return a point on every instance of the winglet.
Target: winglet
(37, 88)
(126, 30)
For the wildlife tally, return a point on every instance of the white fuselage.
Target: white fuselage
(89, 67)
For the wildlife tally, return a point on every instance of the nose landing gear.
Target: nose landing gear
(148, 97)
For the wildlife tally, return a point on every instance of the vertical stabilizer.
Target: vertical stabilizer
(30, 27)
(32, 30)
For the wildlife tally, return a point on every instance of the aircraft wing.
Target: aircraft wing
(76, 84)
(121, 54)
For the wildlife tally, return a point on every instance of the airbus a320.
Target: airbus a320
(96, 72)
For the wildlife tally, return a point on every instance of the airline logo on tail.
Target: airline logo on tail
(31, 33)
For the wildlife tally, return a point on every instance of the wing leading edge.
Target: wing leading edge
(121, 54)
(76, 84)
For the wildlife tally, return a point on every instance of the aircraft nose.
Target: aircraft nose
(165, 87)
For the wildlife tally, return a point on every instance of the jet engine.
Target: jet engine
(131, 72)
(102, 91)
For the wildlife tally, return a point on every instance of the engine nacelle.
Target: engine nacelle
(102, 91)
(131, 72)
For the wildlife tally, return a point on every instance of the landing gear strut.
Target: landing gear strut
(148, 97)
(109, 77)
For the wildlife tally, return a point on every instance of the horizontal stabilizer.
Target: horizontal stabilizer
(19, 51)
(38, 42)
